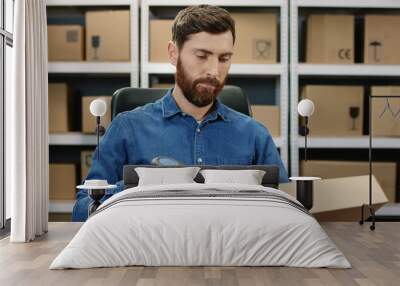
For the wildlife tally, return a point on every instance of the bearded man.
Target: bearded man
(189, 124)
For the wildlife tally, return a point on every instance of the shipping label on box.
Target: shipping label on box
(59, 107)
(338, 110)
(88, 120)
(330, 39)
(108, 35)
(382, 41)
(256, 38)
(65, 43)
(385, 111)
(62, 182)
(269, 116)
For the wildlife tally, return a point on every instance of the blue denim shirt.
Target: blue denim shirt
(224, 136)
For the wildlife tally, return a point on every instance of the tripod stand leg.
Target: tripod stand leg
(361, 222)
(372, 212)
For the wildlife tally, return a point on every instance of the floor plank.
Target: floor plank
(375, 257)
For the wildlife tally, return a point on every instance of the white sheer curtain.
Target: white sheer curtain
(26, 124)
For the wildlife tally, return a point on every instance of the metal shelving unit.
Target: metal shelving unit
(304, 70)
(131, 67)
(278, 71)
(89, 67)
(72, 138)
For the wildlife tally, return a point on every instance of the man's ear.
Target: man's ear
(173, 53)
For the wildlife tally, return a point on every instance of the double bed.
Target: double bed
(201, 224)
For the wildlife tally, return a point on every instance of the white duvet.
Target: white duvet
(183, 231)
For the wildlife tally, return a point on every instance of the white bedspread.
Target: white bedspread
(190, 230)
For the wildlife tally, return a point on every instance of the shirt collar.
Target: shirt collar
(170, 108)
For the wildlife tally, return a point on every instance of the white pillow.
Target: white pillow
(248, 177)
(165, 176)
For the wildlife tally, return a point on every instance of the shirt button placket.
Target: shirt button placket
(198, 147)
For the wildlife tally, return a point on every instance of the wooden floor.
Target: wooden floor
(374, 255)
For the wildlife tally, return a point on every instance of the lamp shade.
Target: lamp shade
(305, 108)
(98, 107)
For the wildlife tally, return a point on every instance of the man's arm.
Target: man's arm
(112, 159)
(267, 153)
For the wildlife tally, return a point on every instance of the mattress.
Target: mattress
(201, 225)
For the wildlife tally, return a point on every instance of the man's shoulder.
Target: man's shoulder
(241, 119)
(149, 110)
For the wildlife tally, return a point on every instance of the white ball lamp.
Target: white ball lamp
(96, 188)
(305, 108)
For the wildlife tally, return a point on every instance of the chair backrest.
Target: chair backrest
(129, 98)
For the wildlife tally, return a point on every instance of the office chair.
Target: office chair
(129, 98)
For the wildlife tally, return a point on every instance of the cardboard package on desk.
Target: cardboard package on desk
(385, 172)
(333, 106)
(340, 199)
(384, 111)
(330, 39)
(65, 43)
(108, 35)
(382, 41)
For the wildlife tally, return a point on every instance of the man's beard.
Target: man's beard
(197, 94)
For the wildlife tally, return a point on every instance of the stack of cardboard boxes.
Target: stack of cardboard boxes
(339, 110)
(97, 41)
(330, 39)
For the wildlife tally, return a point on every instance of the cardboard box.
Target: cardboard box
(86, 163)
(59, 108)
(62, 181)
(108, 35)
(384, 121)
(65, 43)
(162, 85)
(160, 34)
(338, 199)
(88, 120)
(333, 105)
(256, 38)
(269, 116)
(382, 42)
(330, 39)
(385, 172)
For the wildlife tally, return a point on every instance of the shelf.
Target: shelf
(349, 3)
(236, 69)
(88, 2)
(72, 138)
(90, 67)
(239, 3)
(77, 138)
(348, 70)
(349, 142)
(61, 206)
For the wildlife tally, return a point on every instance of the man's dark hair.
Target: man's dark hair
(201, 18)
